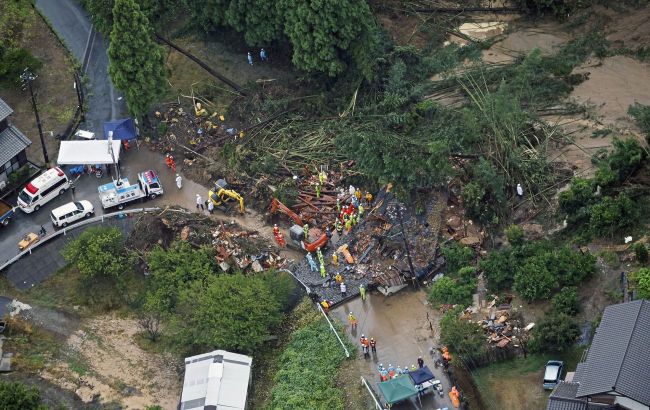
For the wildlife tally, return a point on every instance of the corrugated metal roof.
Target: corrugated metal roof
(218, 378)
(5, 110)
(619, 357)
(12, 142)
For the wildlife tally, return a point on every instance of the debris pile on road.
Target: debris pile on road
(234, 246)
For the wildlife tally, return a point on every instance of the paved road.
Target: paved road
(73, 25)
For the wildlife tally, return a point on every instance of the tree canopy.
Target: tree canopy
(136, 62)
(231, 312)
(99, 253)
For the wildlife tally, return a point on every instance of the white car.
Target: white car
(71, 212)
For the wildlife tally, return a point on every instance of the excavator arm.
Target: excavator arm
(279, 206)
(222, 196)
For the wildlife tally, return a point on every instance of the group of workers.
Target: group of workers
(390, 372)
(350, 214)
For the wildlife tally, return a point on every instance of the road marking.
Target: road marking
(89, 48)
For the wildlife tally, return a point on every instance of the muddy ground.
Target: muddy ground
(56, 97)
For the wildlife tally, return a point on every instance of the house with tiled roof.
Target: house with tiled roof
(616, 372)
(12, 145)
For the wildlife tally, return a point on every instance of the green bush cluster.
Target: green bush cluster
(556, 332)
(454, 291)
(306, 378)
(199, 301)
(566, 301)
(462, 337)
(456, 256)
(640, 252)
(536, 269)
(610, 212)
(641, 115)
(17, 396)
(641, 282)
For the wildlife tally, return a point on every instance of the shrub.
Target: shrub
(611, 215)
(641, 280)
(641, 114)
(462, 337)
(499, 269)
(533, 280)
(515, 235)
(579, 195)
(625, 159)
(566, 301)
(641, 252)
(17, 396)
(456, 257)
(306, 378)
(13, 61)
(449, 291)
(556, 332)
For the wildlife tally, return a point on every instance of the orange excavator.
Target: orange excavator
(317, 238)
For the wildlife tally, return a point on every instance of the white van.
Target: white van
(43, 189)
(71, 212)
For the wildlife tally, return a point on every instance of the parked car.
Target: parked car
(71, 212)
(553, 373)
(28, 240)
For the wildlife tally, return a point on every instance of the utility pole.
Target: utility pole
(27, 77)
(398, 209)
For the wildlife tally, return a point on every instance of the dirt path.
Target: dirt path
(103, 359)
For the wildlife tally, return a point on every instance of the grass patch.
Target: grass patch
(517, 384)
(32, 346)
(78, 364)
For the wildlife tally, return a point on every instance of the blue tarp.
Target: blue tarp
(422, 375)
(122, 129)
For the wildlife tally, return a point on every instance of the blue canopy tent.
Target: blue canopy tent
(422, 375)
(123, 129)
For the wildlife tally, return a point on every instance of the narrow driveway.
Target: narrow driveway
(73, 25)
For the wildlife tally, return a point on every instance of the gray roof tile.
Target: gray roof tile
(12, 142)
(566, 390)
(579, 373)
(5, 110)
(563, 397)
(619, 357)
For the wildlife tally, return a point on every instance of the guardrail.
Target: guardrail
(378, 405)
(77, 225)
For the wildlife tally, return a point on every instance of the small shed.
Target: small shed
(216, 380)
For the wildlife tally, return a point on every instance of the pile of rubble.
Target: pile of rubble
(503, 326)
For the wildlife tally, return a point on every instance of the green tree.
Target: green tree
(566, 301)
(17, 396)
(101, 13)
(556, 332)
(99, 253)
(231, 312)
(456, 256)
(448, 291)
(624, 160)
(641, 281)
(174, 269)
(259, 20)
(499, 268)
(15, 19)
(640, 252)
(641, 115)
(322, 33)
(515, 235)
(612, 214)
(136, 62)
(577, 197)
(533, 280)
(461, 336)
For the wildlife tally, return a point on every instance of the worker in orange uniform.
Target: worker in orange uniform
(368, 198)
(169, 160)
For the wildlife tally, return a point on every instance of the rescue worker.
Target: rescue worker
(348, 225)
(276, 230)
(363, 340)
(357, 194)
(373, 345)
(312, 263)
(420, 362)
(361, 211)
(328, 232)
(353, 321)
(325, 304)
(368, 198)
(169, 160)
(210, 207)
(280, 240)
(335, 259)
(351, 190)
(362, 291)
(338, 204)
(305, 230)
(250, 58)
(318, 186)
(179, 181)
(338, 226)
(390, 368)
(338, 278)
(398, 371)
(344, 290)
(413, 368)
(322, 177)
(263, 56)
(380, 367)
(319, 254)
(323, 271)
(406, 370)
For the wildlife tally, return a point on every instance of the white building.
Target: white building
(216, 381)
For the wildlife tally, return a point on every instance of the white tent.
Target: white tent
(92, 152)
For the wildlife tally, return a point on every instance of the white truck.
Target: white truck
(121, 192)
